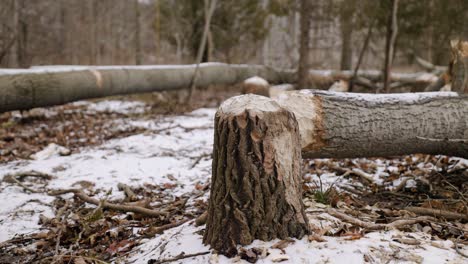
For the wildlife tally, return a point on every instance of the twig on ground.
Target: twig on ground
(455, 243)
(358, 172)
(437, 213)
(106, 205)
(128, 191)
(401, 185)
(398, 224)
(23, 186)
(199, 158)
(76, 257)
(178, 257)
(32, 173)
(160, 229)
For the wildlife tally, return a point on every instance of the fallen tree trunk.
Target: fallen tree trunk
(346, 125)
(23, 89)
(26, 89)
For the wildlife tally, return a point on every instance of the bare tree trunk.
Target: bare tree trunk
(392, 31)
(459, 69)
(21, 33)
(305, 19)
(137, 36)
(201, 49)
(157, 27)
(361, 55)
(256, 188)
(340, 125)
(346, 27)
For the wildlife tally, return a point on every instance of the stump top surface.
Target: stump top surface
(238, 104)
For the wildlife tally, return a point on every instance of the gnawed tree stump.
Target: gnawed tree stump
(256, 184)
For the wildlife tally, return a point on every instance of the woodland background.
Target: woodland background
(127, 32)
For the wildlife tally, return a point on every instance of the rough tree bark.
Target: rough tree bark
(46, 86)
(346, 28)
(361, 55)
(392, 31)
(138, 53)
(459, 69)
(344, 125)
(201, 48)
(256, 183)
(302, 71)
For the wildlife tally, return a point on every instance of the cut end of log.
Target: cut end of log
(256, 85)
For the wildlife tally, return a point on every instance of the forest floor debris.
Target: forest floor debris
(404, 209)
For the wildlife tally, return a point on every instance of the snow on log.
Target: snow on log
(349, 125)
(256, 178)
(22, 89)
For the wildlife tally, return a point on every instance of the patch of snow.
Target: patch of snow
(156, 158)
(379, 246)
(121, 107)
(51, 150)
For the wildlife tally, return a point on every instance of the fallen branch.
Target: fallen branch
(91, 259)
(178, 257)
(401, 185)
(23, 186)
(199, 158)
(457, 249)
(437, 213)
(128, 191)
(358, 172)
(23, 174)
(398, 224)
(106, 205)
(150, 232)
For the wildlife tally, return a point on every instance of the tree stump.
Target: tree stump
(256, 180)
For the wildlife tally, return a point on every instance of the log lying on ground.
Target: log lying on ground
(23, 89)
(256, 178)
(369, 78)
(348, 125)
(26, 89)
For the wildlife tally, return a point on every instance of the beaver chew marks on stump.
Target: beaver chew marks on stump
(255, 187)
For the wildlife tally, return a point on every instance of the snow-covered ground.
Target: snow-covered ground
(176, 150)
